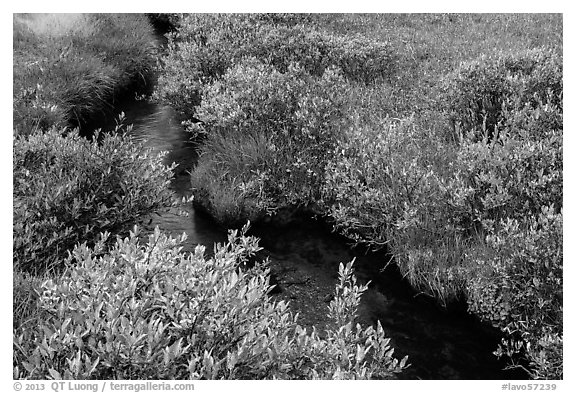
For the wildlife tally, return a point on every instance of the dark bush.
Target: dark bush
(165, 23)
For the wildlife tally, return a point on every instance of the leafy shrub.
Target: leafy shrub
(479, 94)
(269, 137)
(153, 312)
(514, 277)
(25, 298)
(360, 58)
(70, 67)
(67, 189)
(388, 187)
(207, 45)
(481, 220)
(517, 285)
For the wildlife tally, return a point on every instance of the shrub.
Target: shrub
(515, 271)
(67, 189)
(269, 137)
(70, 67)
(479, 94)
(515, 177)
(481, 220)
(389, 188)
(164, 23)
(516, 283)
(153, 312)
(206, 46)
(25, 298)
(360, 58)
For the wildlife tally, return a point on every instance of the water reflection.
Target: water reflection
(156, 126)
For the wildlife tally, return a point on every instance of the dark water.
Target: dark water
(157, 128)
(304, 258)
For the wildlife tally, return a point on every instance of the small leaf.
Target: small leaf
(54, 374)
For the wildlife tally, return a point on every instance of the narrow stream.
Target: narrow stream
(304, 258)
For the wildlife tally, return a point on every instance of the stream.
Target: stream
(304, 257)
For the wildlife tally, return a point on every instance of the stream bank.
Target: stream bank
(304, 256)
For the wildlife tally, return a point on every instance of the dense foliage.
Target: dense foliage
(389, 188)
(70, 67)
(207, 45)
(152, 312)
(516, 283)
(474, 220)
(68, 189)
(269, 137)
(482, 95)
(464, 193)
(391, 126)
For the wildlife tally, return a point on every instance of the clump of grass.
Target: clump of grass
(230, 177)
(25, 298)
(269, 137)
(70, 67)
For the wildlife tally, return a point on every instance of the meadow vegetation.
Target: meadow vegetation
(67, 189)
(91, 299)
(70, 68)
(270, 133)
(205, 47)
(435, 137)
(149, 311)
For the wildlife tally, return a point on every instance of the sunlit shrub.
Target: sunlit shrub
(515, 275)
(269, 137)
(153, 312)
(360, 58)
(68, 189)
(515, 177)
